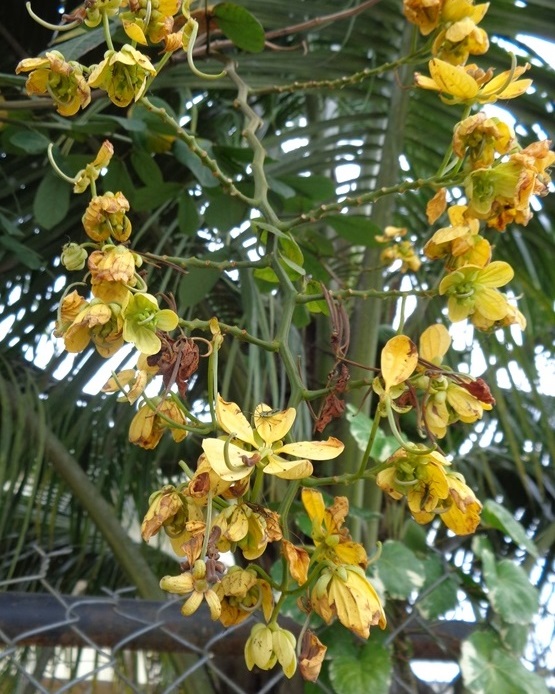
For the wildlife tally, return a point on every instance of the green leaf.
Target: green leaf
(316, 188)
(29, 141)
(367, 671)
(240, 26)
(354, 228)
(487, 668)
(498, 517)
(25, 255)
(198, 282)
(510, 592)
(514, 637)
(444, 596)
(360, 426)
(51, 203)
(149, 197)
(187, 215)
(224, 212)
(118, 179)
(399, 570)
(146, 167)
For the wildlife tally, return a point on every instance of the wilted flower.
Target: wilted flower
(149, 424)
(241, 592)
(470, 85)
(197, 586)
(251, 528)
(480, 138)
(106, 217)
(71, 305)
(311, 656)
(472, 288)
(131, 382)
(164, 505)
(424, 13)
(331, 539)
(97, 321)
(63, 81)
(142, 317)
(462, 38)
(431, 489)
(112, 273)
(123, 75)
(346, 593)
(142, 23)
(91, 172)
(270, 644)
(264, 445)
(460, 243)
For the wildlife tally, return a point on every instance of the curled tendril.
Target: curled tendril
(48, 25)
(228, 463)
(409, 447)
(56, 168)
(190, 47)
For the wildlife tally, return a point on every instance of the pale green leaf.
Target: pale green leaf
(360, 426)
(499, 517)
(443, 597)
(487, 668)
(400, 570)
(367, 671)
(51, 203)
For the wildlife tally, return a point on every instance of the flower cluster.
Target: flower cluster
(500, 177)
(414, 379)
(123, 74)
(217, 511)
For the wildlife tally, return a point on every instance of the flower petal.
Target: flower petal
(313, 501)
(233, 421)
(288, 469)
(214, 450)
(271, 425)
(314, 450)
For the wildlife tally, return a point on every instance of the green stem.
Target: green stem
(107, 34)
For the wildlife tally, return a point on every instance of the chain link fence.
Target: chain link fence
(51, 642)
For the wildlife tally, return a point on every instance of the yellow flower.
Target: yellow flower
(480, 138)
(449, 397)
(95, 9)
(97, 321)
(105, 217)
(112, 273)
(462, 512)
(62, 81)
(404, 252)
(460, 36)
(154, 23)
(331, 539)
(431, 489)
(142, 318)
(424, 13)
(240, 593)
(196, 585)
(92, 171)
(251, 528)
(472, 288)
(346, 593)
(123, 75)
(164, 506)
(460, 242)
(148, 425)
(270, 644)
(265, 448)
(470, 85)
(71, 306)
(137, 379)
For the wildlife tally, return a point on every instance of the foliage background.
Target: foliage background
(85, 487)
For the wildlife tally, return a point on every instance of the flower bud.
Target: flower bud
(74, 256)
